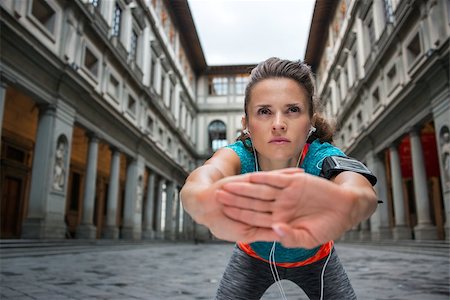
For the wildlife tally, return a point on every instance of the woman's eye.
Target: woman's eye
(263, 111)
(294, 109)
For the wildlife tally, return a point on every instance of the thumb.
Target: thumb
(294, 237)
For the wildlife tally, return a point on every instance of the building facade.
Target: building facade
(98, 118)
(382, 69)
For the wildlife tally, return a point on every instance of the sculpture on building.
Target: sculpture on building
(59, 171)
(444, 136)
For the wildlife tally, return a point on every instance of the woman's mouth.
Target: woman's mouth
(279, 141)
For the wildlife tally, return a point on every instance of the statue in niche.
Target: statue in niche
(444, 137)
(59, 171)
(139, 194)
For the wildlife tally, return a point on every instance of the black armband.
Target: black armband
(333, 165)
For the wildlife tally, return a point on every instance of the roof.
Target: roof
(188, 34)
(230, 69)
(318, 33)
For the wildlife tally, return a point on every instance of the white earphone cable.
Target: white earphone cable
(272, 262)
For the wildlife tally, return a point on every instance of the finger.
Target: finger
(295, 237)
(277, 180)
(260, 234)
(247, 203)
(257, 191)
(289, 171)
(249, 217)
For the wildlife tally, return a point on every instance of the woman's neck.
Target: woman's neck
(269, 165)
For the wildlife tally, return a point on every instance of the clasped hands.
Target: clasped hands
(287, 205)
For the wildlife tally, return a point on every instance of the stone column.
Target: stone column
(159, 196)
(111, 230)
(132, 221)
(364, 233)
(87, 228)
(424, 230)
(441, 119)
(170, 206)
(379, 221)
(3, 88)
(401, 231)
(51, 161)
(148, 230)
(178, 215)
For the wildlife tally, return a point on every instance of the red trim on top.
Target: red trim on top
(323, 252)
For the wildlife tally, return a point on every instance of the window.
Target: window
(241, 84)
(218, 86)
(161, 134)
(371, 32)
(388, 11)
(359, 119)
(95, 3)
(163, 84)
(133, 45)
(117, 19)
(169, 144)
(44, 14)
(413, 49)
(91, 62)
(113, 87)
(152, 69)
(375, 98)
(391, 78)
(355, 63)
(150, 124)
(350, 130)
(131, 105)
(217, 135)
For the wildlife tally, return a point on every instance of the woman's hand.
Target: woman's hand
(211, 214)
(304, 210)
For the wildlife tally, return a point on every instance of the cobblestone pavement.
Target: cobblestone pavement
(187, 271)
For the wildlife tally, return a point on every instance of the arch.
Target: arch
(217, 132)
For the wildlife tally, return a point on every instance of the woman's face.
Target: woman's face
(278, 120)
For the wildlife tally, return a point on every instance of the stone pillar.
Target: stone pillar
(424, 230)
(47, 202)
(178, 215)
(111, 230)
(87, 228)
(401, 231)
(441, 119)
(169, 229)
(379, 221)
(3, 88)
(364, 233)
(132, 221)
(159, 196)
(148, 230)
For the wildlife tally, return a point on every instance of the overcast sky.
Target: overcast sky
(249, 31)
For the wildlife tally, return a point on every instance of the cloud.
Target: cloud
(248, 31)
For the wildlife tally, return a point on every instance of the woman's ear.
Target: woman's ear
(244, 123)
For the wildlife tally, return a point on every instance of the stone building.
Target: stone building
(382, 70)
(98, 118)
(105, 108)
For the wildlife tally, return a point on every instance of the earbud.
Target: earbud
(246, 131)
(311, 130)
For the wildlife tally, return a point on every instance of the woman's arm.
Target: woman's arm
(199, 198)
(305, 210)
(198, 191)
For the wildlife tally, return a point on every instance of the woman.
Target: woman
(280, 202)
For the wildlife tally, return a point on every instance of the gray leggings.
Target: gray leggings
(248, 278)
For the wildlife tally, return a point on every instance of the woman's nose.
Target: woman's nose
(278, 123)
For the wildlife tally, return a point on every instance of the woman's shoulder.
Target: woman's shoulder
(245, 156)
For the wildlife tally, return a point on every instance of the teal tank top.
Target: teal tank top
(312, 164)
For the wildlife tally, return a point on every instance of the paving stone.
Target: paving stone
(185, 271)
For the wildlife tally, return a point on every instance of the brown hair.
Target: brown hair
(301, 73)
